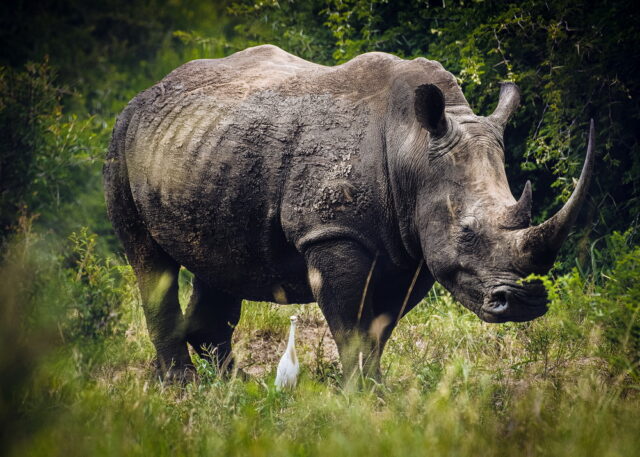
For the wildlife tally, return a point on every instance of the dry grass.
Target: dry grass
(452, 386)
(258, 348)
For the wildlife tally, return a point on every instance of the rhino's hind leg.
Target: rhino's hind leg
(157, 276)
(211, 318)
(156, 271)
(338, 277)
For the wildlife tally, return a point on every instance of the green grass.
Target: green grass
(453, 385)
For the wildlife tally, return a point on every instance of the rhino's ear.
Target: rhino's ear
(429, 107)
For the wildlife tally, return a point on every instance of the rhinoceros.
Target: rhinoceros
(355, 186)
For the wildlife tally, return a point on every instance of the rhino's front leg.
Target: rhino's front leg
(338, 273)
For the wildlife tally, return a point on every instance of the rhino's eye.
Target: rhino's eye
(467, 235)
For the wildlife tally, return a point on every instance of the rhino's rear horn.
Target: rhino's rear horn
(507, 104)
(518, 215)
(429, 107)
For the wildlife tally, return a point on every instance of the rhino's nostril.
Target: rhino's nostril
(508, 303)
(499, 302)
(500, 297)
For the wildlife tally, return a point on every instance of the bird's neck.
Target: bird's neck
(292, 332)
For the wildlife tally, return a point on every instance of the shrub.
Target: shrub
(98, 286)
(619, 300)
(606, 300)
(45, 156)
(28, 101)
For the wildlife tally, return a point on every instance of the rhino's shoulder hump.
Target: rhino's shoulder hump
(269, 53)
(371, 59)
(247, 58)
(255, 68)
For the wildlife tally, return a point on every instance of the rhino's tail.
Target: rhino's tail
(121, 208)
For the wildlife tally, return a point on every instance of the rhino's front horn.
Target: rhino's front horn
(507, 104)
(543, 241)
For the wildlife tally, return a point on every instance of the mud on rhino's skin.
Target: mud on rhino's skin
(273, 178)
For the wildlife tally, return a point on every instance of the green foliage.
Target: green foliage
(610, 300)
(28, 102)
(98, 287)
(619, 300)
(294, 25)
(46, 157)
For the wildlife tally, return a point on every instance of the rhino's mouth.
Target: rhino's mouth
(514, 303)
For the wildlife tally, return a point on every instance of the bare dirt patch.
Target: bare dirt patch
(258, 352)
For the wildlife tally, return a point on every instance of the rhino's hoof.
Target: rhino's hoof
(176, 374)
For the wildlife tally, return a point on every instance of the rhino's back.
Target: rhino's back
(219, 149)
(268, 67)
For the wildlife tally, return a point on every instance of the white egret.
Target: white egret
(288, 368)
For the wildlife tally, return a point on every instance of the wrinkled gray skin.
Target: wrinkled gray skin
(272, 178)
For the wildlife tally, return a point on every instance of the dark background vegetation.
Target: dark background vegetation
(68, 67)
(73, 65)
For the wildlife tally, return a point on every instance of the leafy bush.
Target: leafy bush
(605, 301)
(29, 101)
(45, 156)
(98, 288)
(619, 300)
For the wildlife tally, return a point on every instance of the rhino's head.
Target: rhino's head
(477, 240)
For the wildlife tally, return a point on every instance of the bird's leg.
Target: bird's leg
(340, 277)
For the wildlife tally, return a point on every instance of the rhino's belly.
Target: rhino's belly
(239, 263)
(232, 240)
(222, 223)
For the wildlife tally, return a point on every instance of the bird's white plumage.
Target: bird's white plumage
(288, 368)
